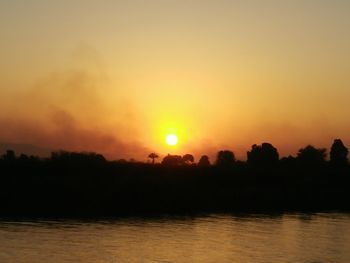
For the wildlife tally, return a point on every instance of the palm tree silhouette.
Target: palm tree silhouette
(153, 156)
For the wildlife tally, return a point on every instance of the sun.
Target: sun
(171, 139)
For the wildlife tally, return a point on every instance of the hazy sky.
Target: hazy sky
(117, 76)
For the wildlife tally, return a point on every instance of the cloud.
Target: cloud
(75, 109)
(67, 134)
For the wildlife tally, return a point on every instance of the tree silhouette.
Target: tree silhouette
(153, 156)
(9, 156)
(311, 156)
(204, 161)
(188, 159)
(23, 158)
(77, 159)
(263, 155)
(172, 160)
(288, 161)
(339, 154)
(225, 158)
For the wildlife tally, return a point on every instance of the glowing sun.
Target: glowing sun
(171, 139)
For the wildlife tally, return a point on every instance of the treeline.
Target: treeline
(86, 184)
(259, 156)
(267, 156)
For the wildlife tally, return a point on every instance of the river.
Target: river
(311, 238)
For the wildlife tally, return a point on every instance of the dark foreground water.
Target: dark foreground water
(215, 238)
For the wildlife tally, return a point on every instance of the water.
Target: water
(216, 238)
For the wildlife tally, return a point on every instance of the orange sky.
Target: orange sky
(117, 76)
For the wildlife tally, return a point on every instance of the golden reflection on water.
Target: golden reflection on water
(217, 238)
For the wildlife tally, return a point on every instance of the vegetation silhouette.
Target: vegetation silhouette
(153, 156)
(225, 158)
(339, 154)
(263, 155)
(188, 159)
(9, 156)
(312, 157)
(172, 160)
(204, 161)
(71, 184)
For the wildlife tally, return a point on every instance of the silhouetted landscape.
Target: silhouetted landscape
(71, 184)
(174, 131)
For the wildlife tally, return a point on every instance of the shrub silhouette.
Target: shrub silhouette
(188, 159)
(263, 155)
(204, 161)
(339, 154)
(9, 156)
(311, 156)
(288, 162)
(172, 160)
(75, 159)
(225, 158)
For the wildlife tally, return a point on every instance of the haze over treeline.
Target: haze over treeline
(263, 155)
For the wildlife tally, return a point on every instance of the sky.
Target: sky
(117, 76)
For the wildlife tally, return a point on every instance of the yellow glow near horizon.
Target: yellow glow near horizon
(171, 139)
(166, 128)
